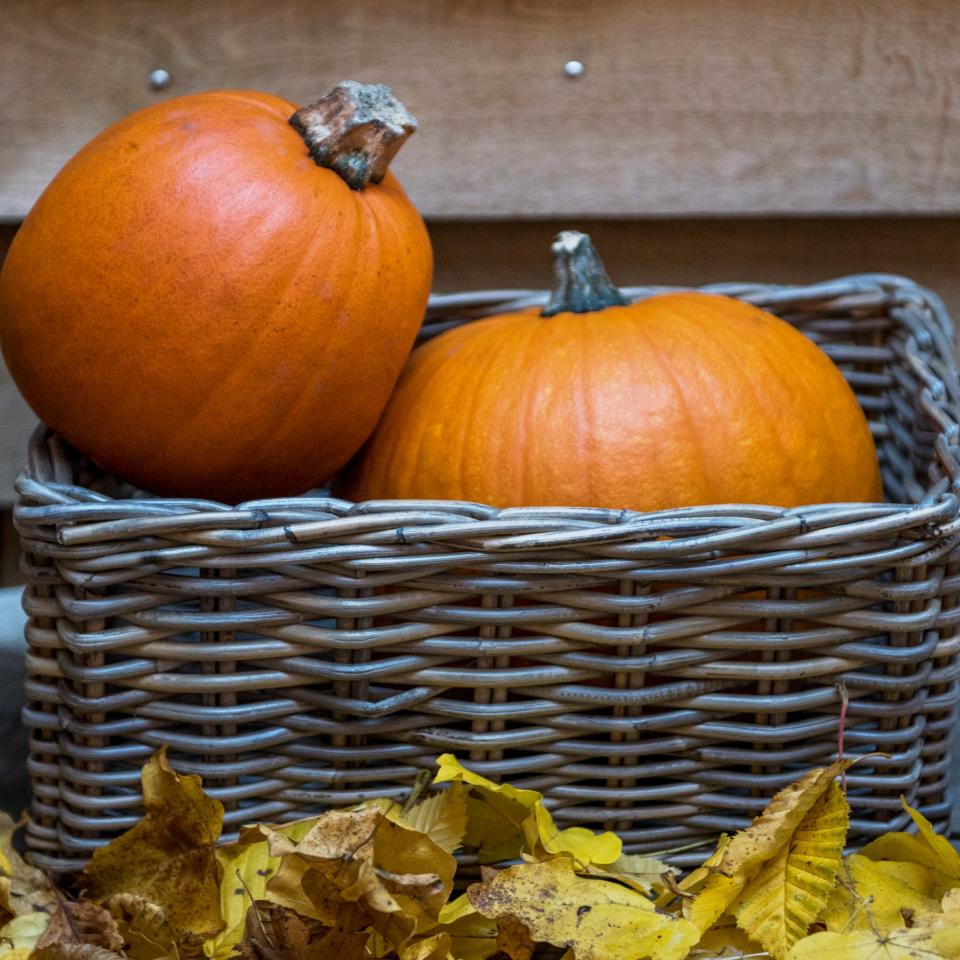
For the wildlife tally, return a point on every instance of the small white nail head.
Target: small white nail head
(159, 79)
(573, 69)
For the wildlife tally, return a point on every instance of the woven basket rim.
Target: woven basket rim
(70, 503)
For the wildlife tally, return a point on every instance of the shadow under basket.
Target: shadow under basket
(657, 674)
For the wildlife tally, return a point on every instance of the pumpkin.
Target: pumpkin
(676, 400)
(216, 295)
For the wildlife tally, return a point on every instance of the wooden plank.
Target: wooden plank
(16, 423)
(471, 256)
(693, 108)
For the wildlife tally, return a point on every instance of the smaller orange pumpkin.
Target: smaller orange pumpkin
(676, 400)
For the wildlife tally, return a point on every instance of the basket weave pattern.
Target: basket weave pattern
(661, 674)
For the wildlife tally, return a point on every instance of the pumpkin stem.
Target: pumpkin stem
(582, 282)
(355, 130)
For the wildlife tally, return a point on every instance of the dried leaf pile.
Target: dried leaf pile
(377, 881)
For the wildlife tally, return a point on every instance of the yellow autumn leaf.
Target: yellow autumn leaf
(22, 932)
(693, 882)
(750, 850)
(361, 857)
(472, 935)
(442, 817)
(950, 905)
(434, 947)
(503, 820)
(286, 882)
(597, 919)
(888, 886)
(926, 847)
(642, 873)
(246, 866)
(947, 917)
(147, 932)
(778, 905)
(900, 944)
(23, 888)
(496, 813)
(451, 770)
(727, 941)
(585, 846)
(169, 857)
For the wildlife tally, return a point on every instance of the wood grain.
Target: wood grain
(693, 108)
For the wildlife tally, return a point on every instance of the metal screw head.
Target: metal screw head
(159, 79)
(573, 69)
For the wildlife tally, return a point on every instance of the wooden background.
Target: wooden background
(780, 140)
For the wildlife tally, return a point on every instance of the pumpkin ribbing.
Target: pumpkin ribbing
(677, 400)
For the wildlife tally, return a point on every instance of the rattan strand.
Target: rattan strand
(660, 674)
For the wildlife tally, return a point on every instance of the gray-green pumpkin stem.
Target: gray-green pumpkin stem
(582, 283)
(355, 130)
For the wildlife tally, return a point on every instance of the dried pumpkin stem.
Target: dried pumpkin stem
(582, 282)
(355, 130)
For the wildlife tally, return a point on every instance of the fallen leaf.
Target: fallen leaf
(168, 858)
(514, 939)
(434, 947)
(22, 933)
(887, 887)
(642, 873)
(496, 813)
(926, 847)
(503, 821)
(79, 931)
(751, 849)
(278, 933)
(74, 951)
(450, 769)
(246, 868)
(777, 906)
(899, 944)
(15, 953)
(693, 882)
(23, 889)
(147, 932)
(727, 941)
(362, 856)
(597, 919)
(442, 817)
(472, 936)
(585, 846)
(397, 879)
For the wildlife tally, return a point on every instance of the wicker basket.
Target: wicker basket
(661, 674)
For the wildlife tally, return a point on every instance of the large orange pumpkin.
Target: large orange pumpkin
(214, 297)
(676, 400)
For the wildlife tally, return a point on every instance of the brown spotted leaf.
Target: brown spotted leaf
(598, 919)
(169, 857)
(79, 931)
(278, 933)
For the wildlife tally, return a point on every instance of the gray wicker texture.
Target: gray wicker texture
(660, 674)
